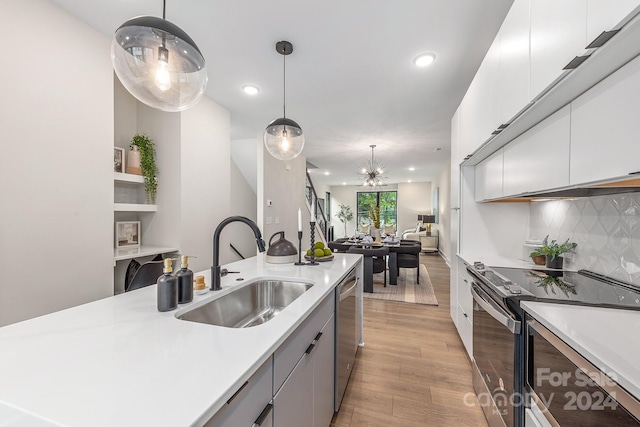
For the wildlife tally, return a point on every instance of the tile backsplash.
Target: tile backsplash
(606, 229)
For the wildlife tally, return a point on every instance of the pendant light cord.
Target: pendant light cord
(284, 86)
(164, 9)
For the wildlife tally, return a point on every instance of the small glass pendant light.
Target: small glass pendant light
(283, 137)
(158, 63)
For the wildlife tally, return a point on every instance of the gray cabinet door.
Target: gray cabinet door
(293, 404)
(248, 402)
(324, 375)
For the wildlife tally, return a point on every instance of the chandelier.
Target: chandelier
(372, 172)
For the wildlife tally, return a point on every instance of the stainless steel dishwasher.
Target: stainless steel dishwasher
(346, 336)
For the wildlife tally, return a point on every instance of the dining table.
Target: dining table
(393, 256)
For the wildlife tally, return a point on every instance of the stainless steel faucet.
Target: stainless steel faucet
(216, 273)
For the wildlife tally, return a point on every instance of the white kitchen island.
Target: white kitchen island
(120, 362)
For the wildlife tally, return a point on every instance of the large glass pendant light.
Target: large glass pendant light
(283, 137)
(158, 63)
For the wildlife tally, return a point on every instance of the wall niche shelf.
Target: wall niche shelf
(128, 178)
(134, 207)
(141, 251)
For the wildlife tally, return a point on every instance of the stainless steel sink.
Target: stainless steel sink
(248, 306)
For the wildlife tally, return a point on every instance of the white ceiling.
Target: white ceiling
(350, 80)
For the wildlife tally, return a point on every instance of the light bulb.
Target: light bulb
(163, 78)
(285, 144)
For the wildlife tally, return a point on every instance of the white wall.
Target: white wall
(56, 127)
(162, 228)
(283, 182)
(244, 203)
(244, 153)
(414, 198)
(443, 182)
(204, 182)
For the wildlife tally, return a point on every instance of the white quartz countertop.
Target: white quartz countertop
(606, 337)
(120, 362)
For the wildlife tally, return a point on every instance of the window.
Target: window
(388, 202)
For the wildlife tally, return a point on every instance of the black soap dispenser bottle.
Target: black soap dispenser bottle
(185, 281)
(167, 288)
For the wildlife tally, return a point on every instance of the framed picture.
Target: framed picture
(127, 234)
(118, 159)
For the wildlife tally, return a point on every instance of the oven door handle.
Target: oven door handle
(494, 309)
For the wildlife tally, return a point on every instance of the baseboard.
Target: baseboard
(445, 258)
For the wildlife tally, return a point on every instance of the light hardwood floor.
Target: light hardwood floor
(413, 369)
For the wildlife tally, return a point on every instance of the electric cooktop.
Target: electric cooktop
(582, 287)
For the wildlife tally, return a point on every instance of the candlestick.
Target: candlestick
(313, 244)
(299, 247)
(299, 221)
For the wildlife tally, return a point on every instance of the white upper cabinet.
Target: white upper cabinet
(604, 15)
(558, 34)
(539, 158)
(489, 177)
(605, 128)
(513, 64)
(455, 162)
(480, 113)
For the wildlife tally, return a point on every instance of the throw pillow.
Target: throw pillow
(389, 229)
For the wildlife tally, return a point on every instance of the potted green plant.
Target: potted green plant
(553, 251)
(147, 163)
(345, 215)
(374, 215)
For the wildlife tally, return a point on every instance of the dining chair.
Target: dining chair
(374, 262)
(408, 256)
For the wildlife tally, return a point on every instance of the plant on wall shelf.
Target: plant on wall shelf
(147, 163)
(345, 215)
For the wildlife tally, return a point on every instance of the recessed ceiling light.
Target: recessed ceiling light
(424, 59)
(344, 183)
(409, 181)
(412, 168)
(327, 173)
(251, 90)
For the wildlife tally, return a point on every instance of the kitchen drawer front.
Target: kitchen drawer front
(465, 330)
(249, 401)
(289, 353)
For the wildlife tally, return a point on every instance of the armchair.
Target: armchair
(414, 234)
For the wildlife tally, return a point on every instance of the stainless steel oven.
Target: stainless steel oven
(500, 341)
(571, 391)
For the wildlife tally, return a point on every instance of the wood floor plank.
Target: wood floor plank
(436, 415)
(414, 369)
